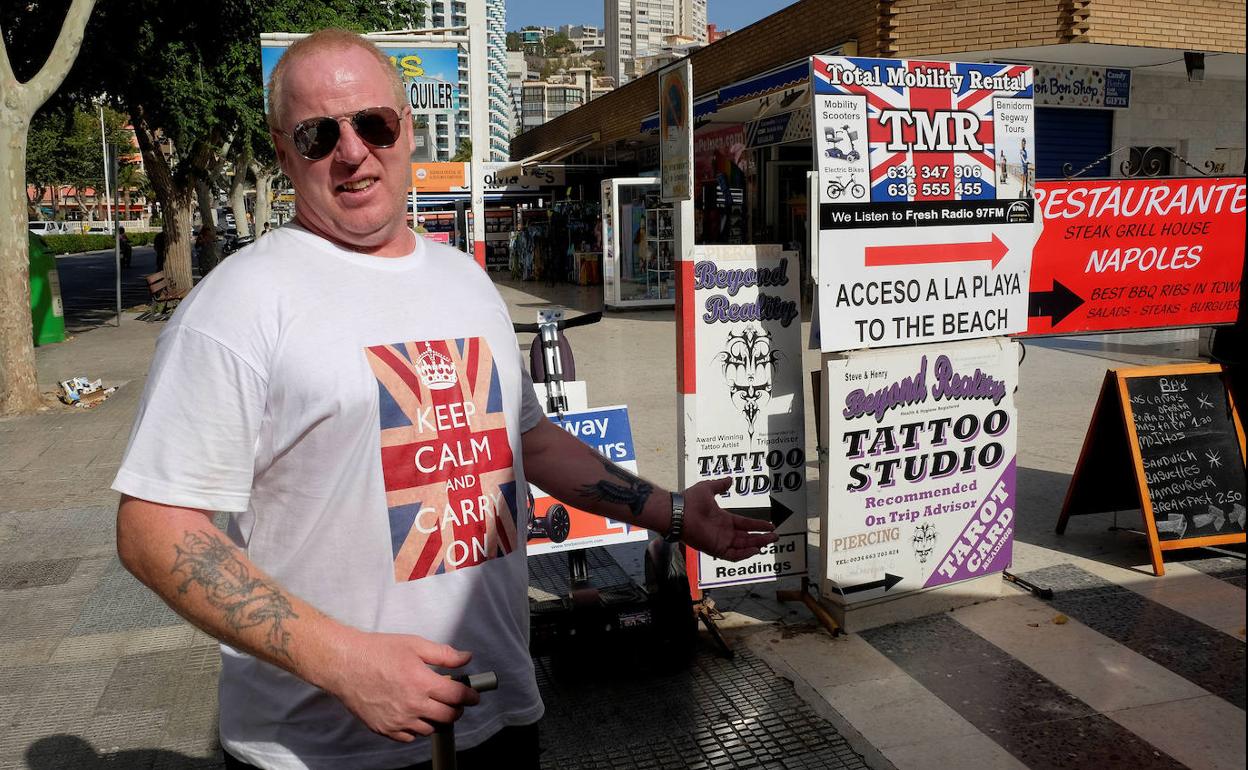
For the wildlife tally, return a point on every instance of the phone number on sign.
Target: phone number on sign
(930, 181)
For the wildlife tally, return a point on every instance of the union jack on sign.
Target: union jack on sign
(926, 131)
(445, 455)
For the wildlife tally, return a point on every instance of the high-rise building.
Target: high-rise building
(638, 28)
(450, 130)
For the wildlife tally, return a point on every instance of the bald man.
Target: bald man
(353, 396)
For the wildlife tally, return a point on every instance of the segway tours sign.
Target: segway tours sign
(927, 215)
(741, 358)
(920, 487)
(555, 527)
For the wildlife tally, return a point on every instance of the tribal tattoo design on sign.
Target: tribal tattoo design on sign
(445, 455)
(749, 364)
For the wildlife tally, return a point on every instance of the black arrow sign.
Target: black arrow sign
(888, 582)
(779, 512)
(1057, 303)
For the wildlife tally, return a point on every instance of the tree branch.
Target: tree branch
(68, 42)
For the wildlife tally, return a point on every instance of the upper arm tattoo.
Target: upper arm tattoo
(246, 602)
(632, 494)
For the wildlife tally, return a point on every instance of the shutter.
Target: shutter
(1077, 137)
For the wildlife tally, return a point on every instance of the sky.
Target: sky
(726, 14)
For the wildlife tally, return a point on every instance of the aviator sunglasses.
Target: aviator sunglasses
(315, 138)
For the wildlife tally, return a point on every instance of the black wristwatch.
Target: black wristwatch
(678, 519)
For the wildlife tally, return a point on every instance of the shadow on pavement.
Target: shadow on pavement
(89, 287)
(64, 751)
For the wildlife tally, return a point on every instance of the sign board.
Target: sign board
(792, 126)
(741, 362)
(430, 72)
(1137, 254)
(920, 488)
(1079, 85)
(555, 527)
(927, 220)
(509, 177)
(676, 131)
(1166, 440)
(450, 176)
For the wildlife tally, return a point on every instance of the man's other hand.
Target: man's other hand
(712, 530)
(388, 681)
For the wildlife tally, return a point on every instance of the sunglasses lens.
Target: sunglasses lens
(316, 138)
(379, 126)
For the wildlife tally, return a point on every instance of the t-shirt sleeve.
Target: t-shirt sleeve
(194, 440)
(531, 412)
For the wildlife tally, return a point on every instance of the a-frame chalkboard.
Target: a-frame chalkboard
(1166, 440)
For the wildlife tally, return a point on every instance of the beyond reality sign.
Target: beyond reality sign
(921, 467)
(926, 175)
(749, 425)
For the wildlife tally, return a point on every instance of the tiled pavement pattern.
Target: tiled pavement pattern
(1194, 651)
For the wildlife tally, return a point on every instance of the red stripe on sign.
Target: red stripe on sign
(686, 346)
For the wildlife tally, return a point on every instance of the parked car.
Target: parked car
(47, 227)
(97, 228)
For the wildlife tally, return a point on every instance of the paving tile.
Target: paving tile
(943, 753)
(120, 644)
(1202, 655)
(122, 603)
(143, 682)
(18, 576)
(1203, 733)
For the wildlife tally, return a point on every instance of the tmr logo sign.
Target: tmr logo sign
(939, 131)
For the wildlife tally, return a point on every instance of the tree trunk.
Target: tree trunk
(19, 383)
(207, 209)
(175, 203)
(19, 387)
(265, 177)
(238, 194)
(176, 216)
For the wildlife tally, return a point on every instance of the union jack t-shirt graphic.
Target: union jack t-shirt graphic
(445, 455)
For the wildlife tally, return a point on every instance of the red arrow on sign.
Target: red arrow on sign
(928, 253)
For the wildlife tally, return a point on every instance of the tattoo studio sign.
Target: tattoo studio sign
(742, 354)
(921, 468)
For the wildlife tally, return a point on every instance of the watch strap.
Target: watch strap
(677, 526)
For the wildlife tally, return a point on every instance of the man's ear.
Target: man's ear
(281, 149)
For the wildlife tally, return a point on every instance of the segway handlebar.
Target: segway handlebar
(563, 323)
(444, 733)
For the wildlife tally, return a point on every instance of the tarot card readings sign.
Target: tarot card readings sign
(921, 467)
(746, 362)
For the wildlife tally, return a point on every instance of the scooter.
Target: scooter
(658, 615)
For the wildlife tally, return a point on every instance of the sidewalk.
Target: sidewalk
(1146, 672)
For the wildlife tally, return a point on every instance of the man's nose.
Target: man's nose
(351, 148)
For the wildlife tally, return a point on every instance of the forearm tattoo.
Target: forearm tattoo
(633, 493)
(228, 585)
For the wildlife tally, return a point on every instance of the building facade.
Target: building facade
(543, 100)
(638, 28)
(449, 131)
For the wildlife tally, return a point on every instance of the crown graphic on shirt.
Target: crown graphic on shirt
(436, 369)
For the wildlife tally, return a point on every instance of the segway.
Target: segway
(658, 615)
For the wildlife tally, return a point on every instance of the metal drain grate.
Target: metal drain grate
(549, 571)
(718, 713)
(33, 574)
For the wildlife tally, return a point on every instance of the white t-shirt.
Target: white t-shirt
(361, 416)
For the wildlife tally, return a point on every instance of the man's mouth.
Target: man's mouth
(357, 185)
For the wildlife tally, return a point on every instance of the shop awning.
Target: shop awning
(703, 106)
(553, 155)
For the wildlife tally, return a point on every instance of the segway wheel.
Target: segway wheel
(558, 523)
(671, 602)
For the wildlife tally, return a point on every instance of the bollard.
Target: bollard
(444, 733)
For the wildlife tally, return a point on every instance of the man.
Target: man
(353, 395)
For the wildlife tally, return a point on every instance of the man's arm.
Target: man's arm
(568, 469)
(384, 679)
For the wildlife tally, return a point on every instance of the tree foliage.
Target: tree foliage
(558, 44)
(65, 151)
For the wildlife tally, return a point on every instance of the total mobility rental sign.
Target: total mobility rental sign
(927, 220)
(430, 73)
(921, 467)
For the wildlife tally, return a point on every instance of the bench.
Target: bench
(164, 297)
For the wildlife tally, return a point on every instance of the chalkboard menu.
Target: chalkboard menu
(1168, 441)
(1189, 452)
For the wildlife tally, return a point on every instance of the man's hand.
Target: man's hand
(387, 681)
(714, 531)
